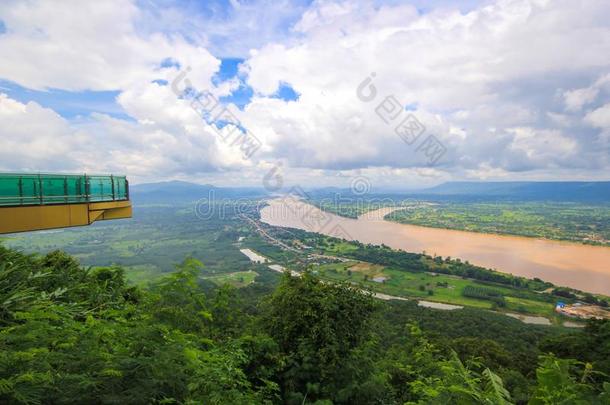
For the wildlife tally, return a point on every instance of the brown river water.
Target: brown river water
(574, 265)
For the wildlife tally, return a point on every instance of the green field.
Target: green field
(149, 245)
(353, 208)
(142, 273)
(432, 287)
(414, 276)
(237, 279)
(574, 222)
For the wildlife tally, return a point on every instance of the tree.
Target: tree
(87, 337)
(320, 329)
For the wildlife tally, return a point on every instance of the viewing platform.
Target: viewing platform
(30, 202)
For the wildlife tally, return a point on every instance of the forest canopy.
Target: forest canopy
(80, 335)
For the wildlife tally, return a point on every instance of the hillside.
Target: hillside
(68, 332)
(185, 192)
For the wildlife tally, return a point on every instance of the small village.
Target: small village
(582, 311)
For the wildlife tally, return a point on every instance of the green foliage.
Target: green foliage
(494, 391)
(484, 294)
(456, 383)
(177, 301)
(319, 328)
(74, 335)
(563, 381)
(592, 345)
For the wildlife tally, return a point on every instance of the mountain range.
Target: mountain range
(183, 192)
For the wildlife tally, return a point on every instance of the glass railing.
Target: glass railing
(43, 189)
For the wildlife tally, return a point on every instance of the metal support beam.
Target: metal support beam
(39, 217)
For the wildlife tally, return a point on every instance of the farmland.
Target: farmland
(237, 279)
(586, 223)
(575, 222)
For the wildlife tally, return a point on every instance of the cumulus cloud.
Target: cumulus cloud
(600, 117)
(82, 45)
(510, 88)
(95, 46)
(576, 99)
(34, 138)
(546, 146)
(469, 74)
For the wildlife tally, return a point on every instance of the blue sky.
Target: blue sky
(511, 89)
(68, 104)
(71, 104)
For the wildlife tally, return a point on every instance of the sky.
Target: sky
(392, 94)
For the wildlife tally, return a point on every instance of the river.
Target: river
(578, 266)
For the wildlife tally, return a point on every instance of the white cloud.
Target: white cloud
(546, 146)
(490, 83)
(576, 99)
(470, 76)
(96, 46)
(600, 117)
(93, 45)
(228, 29)
(35, 138)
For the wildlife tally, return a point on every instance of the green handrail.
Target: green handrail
(44, 189)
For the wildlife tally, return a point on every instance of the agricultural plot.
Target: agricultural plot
(432, 287)
(237, 279)
(576, 222)
(147, 246)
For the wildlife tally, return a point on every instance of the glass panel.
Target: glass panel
(53, 189)
(31, 189)
(9, 191)
(100, 188)
(120, 189)
(25, 189)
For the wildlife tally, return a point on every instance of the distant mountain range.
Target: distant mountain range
(543, 190)
(184, 192)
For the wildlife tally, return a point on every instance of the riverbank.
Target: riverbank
(586, 224)
(562, 263)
